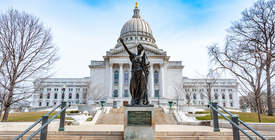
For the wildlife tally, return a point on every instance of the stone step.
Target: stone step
(67, 137)
(208, 138)
(120, 133)
(117, 135)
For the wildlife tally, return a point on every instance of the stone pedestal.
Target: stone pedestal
(170, 110)
(102, 110)
(139, 122)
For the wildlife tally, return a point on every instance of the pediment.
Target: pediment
(133, 49)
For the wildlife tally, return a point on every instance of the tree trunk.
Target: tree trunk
(258, 109)
(6, 114)
(2, 108)
(269, 101)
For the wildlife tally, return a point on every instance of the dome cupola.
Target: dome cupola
(136, 31)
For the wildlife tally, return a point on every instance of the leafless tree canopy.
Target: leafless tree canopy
(95, 91)
(26, 50)
(249, 50)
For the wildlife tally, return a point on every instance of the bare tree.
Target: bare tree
(246, 67)
(210, 80)
(186, 89)
(257, 28)
(95, 91)
(27, 50)
(178, 92)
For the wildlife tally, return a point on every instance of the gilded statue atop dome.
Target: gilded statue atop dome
(140, 72)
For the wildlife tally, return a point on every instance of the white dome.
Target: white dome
(136, 25)
(135, 31)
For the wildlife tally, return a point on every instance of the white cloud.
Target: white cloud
(84, 31)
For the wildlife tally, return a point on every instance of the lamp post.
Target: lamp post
(158, 101)
(209, 93)
(113, 98)
(63, 89)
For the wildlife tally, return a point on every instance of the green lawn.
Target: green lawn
(245, 117)
(31, 116)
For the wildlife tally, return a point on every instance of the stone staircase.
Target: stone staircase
(116, 117)
(118, 135)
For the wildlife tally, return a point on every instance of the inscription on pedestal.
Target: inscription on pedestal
(139, 118)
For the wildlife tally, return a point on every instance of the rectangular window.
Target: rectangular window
(40, 103)
(156, 93)
(41, 89)
(48, 89)
(223, 104)
(131, 38)
(70, 89)
(126, 78)
(47, 103)
(78, 89)
(231, 104)
(186, 89)
(126, 93)
(126, 39)
(140, 38)
(54, 103)
(146, 39)
(116, 93)
(56, 89)
(116, 77)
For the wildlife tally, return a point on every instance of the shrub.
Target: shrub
(89, 119)
(190, 112)
(199, 113)
(76, 111)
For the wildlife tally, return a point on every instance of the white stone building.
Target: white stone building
(114, 72)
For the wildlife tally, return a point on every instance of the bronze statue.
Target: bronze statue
(140, 72)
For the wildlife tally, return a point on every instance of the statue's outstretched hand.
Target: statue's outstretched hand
(120, 39)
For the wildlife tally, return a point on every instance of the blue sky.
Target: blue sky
(85, 30)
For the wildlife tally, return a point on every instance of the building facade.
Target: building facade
(113, 73)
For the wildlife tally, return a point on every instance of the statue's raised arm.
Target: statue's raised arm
(130, 53)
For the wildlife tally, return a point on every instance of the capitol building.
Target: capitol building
(113, 75)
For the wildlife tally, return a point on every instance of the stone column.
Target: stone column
(120, 82)
(161, 76)
(151, 80)
(111, 79)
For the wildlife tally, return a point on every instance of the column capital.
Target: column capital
(161, 64)
(120, 64)
(111, 64)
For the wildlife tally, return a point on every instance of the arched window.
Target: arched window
(194, 96)
(223, 96)
(77, 96)
(84, 95)
(156, 77)
(126, 77)
(70, 96)
(41, 95)
(201, 96)
(55, 96)
(187, 96)
(63, 96)
(230, 96)
(116, 77)
(216, 96)
(48, 96)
